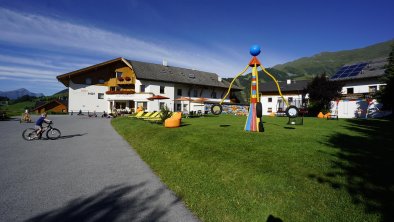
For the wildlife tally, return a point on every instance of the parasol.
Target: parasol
(184, 99)
(157, 97)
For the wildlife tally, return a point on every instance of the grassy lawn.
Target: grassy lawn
(321, 171)
(18, 108)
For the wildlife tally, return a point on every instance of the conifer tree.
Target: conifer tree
(386, 94)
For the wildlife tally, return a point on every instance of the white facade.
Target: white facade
(357, 108)
(345, 108)
(361, 86)
(271, 103)
(360, 108)
(86, 98)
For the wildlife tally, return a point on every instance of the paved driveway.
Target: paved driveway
(90, 174)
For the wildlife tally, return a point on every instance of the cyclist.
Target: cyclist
(39, 123)
(26, 116)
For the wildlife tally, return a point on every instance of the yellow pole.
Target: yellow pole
(232, 82)
(277, 84)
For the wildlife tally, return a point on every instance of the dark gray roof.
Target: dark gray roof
(295, 85)
(156, 72)
(374, 69)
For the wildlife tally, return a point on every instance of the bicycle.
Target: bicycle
(25, 118)
(31, 133)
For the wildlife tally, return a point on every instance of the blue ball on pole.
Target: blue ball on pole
(255, 50)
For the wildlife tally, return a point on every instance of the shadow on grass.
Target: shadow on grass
(366, 162)
(114, 203)
(273, 219)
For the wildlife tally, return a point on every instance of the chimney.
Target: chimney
(288, 81)
(165, 62)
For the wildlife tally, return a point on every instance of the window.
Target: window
(373, 89)
(269, 110)
(195, 93)
(114, 88)
(162, 104)
(142, 88)
(185, 109)
(162, 89)
(120, 105)
(349, 91)
(118, 74)
(100, 95)
(213, 95)
(270, 100)
(88, 81)
(179, 92)
(280, 105)
(144, 105)
(290, 99)
(178, 107)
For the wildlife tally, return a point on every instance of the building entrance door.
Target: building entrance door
(120, 105)
(131, 106)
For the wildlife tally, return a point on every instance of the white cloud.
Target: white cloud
(41, 32)
(26, 72)
(54, 47)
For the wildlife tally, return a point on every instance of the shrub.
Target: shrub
(165, 113)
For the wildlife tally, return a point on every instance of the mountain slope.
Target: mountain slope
(329, 61)
(63, 92)
(15, 94)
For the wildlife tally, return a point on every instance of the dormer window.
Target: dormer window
(192, 76)
(118, 74)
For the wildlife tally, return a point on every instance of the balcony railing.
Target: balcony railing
(124, 92)
(125, 80)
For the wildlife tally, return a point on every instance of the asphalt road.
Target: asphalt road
(89, 174)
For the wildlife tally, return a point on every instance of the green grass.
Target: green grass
(18, 108)
(321, 171)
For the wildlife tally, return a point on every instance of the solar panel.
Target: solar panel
(349, 71)
(352, 66)
(343, 75)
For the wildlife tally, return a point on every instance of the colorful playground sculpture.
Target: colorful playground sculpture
(254, 121)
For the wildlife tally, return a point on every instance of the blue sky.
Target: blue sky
(42, 39)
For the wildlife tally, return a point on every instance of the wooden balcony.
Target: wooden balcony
(123, 92)
(125, 81)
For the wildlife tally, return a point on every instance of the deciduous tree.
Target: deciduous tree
(321, 92)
